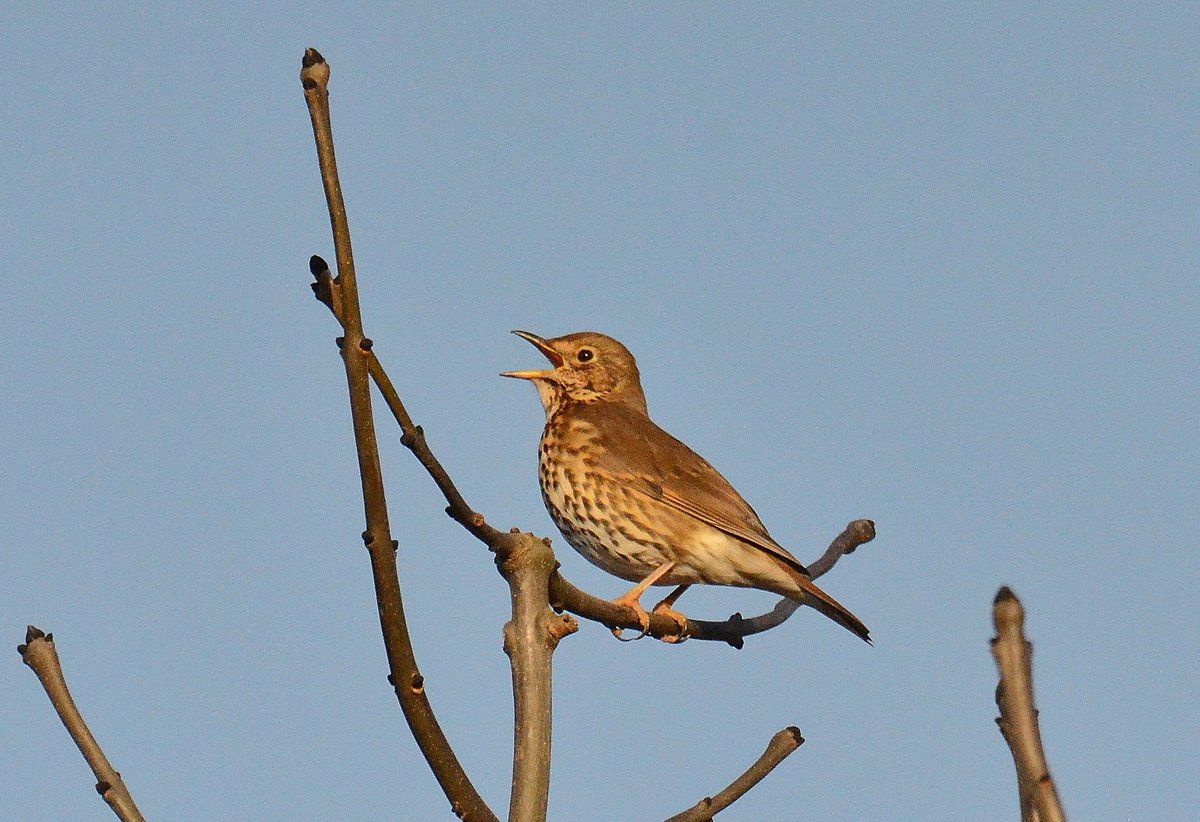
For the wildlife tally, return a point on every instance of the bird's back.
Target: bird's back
(637, 452)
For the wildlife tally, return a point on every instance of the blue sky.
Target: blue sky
(931, 265)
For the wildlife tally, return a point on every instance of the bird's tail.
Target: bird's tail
(814, 597)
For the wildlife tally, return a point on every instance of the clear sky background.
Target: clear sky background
(931, 265)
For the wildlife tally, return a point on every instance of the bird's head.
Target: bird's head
(586, 367)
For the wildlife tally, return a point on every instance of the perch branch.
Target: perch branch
(733, 630)
(405, 676)
(1018, 720)
(564, 595)
(39, 654)
(780, 746)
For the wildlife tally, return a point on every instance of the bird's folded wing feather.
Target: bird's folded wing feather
(661, 467)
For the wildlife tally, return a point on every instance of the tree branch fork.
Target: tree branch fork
(540, 595)
(537, 589)
(542, 600)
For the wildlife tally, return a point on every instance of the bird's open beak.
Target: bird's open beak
(540, 344)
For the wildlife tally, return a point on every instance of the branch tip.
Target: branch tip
(314, 71)
(1018, 720)
(42, 658)
(782, 745)
(311, 58)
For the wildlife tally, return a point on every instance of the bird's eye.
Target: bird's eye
(585, 354)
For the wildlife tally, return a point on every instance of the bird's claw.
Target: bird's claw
(616, 631)
(643, 619)
(663, 609)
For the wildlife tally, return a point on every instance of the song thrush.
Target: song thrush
(639, 503)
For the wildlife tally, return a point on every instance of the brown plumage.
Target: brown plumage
(639, 503)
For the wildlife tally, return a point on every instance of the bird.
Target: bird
(637, 502)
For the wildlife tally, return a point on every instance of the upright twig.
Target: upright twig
(39, 654)
(405, 677)
(778, 749)
(1018, 720)
(529, 640)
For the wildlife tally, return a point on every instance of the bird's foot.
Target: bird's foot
(643, 618)
(664, 609)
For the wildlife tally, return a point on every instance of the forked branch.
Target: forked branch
(526, 563)
(405, 677)
(1018, 720)
(530, 638)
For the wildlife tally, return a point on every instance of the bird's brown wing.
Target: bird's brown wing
(648, 460)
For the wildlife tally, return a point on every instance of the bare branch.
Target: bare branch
(733, 631)
(1018, 720)
(405, 677)
(530, 638)
(412, 435)
(39, 654)
(780, 746)
(857, 533)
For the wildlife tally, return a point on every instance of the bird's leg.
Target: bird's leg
(630, 600)
(664, 608)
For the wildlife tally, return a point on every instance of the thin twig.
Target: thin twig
(1018, 720)
(39, 654)
(780, 746)
(405, 676)
(412, 435)
(858, 532)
